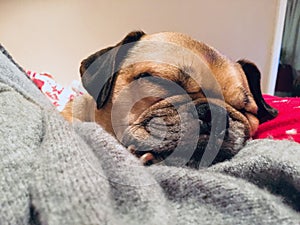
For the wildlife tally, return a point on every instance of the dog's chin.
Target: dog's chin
(181, 133)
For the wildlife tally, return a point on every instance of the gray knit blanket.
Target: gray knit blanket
(52, 172)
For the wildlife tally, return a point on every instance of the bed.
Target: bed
(53, 172)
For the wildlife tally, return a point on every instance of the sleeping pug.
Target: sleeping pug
(171, 99)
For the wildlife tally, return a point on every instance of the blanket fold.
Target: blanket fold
(56, 173)
(269, 164)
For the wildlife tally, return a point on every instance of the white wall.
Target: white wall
(55, 35)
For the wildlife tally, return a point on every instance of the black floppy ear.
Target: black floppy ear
(265, 111)
(98, 71)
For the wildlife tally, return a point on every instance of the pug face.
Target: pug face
(176, 98)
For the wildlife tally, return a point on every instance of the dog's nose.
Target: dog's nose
(213, 119)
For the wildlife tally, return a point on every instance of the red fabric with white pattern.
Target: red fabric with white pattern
(287, 124)
(55, 92)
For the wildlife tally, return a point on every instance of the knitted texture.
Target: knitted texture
(53, 172)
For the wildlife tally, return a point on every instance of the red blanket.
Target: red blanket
(287, 124)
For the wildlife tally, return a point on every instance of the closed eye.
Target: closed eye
(246, 99)
(142, 75)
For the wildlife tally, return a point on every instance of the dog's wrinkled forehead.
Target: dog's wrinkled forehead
(174, 49)
(175, 57)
